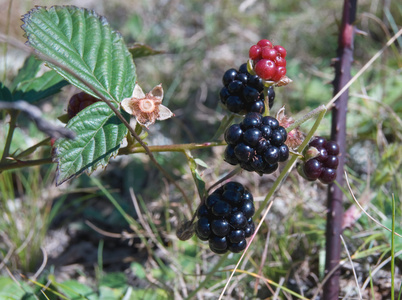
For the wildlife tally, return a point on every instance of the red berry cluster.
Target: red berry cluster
(268, 60)
(78, 102)
(324, 162)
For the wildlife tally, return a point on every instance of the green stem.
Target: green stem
(170, 148)
(13, 124)
(18, 164)
(208, 277)
(32, 149)
(291, 162)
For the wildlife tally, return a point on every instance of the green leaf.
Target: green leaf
(99, 135)
(140, 50)
(84, 43)
(5, 94)
(28, 71)
(201, 163)
(74, 290)
(114, 280)
(10, 289)
(138, 270)
(35, 89)
(92, 56)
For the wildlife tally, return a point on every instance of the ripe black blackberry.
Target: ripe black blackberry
(225, 219)
(243, 92)
(321, 160)
(257, 144)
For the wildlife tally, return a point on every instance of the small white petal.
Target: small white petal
(157, 92)
(126, 106)
(138, 92)
(146, 124)
(164, 113)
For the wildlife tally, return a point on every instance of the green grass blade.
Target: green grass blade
(393, 250)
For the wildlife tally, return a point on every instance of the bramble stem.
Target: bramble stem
(338, 134)
(13, 124)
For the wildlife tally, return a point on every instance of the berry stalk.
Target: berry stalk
(338, 134)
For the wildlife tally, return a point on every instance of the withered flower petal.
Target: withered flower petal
(147, 108)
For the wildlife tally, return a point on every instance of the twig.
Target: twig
(36, 115)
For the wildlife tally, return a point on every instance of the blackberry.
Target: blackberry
(242, 92)
(257, 144)
(78, 102)
(225, 219)
(321, 160)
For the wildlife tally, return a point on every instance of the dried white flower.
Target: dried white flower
(147, 108)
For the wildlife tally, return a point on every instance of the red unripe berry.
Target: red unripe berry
(255, 52)
(280, 61)
(280, 72)
(265, 68)
(281, 50)
(269, 53)
(264, 43)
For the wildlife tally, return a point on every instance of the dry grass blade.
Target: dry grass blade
(278, 285)
(353, 268)
(361, 207)
(379, 268)
(43, 265)
(363, 69)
